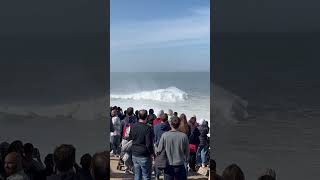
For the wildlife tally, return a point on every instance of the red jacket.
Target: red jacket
(156, 121)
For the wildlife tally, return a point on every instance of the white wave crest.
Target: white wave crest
(228, 107)
(170, 94)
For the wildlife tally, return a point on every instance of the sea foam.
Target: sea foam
(170, 94)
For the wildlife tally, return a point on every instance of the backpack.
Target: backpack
(126, 130)
(127, 127)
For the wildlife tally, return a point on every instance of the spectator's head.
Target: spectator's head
(48, 161)
(203, 122)
(114, 113)
(16, 146)
(143, 114)
(183, 117)
(164, 117)
(125, 112)
(151, 111)
(13, 163)
(175, 114)
(100, 166)
(269, 172)
(130, 111)
(193, 121)
(64, 157)
(160, 113)
(266, 177)
(137, 113)
(232, 172)
(175, 122)
(170, 112)
(114, 108)
(86, 161)
(28, 150)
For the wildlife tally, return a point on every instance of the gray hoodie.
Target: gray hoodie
(176, 145)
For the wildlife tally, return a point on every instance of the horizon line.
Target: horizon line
(160, 72)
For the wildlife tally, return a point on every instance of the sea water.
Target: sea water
(183, 92)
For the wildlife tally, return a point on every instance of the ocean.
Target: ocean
(183, 92)
(277, 75)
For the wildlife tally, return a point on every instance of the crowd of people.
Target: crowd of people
(140, 137)
(20, 161)
(144, 141)
(234, 172)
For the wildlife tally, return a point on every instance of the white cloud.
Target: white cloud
(190, 30)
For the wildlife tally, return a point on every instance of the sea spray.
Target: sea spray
(170, 94)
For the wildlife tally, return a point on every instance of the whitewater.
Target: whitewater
(164, 99)
(228, 108)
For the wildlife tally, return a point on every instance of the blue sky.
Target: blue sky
(160, 35)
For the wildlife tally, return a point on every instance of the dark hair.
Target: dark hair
(175, 122)
(48, 160)
(100, 166)
(28, 148)
(164, 117)
(175, 114)
(86, 161)
(192, 120)
(64, 157)
(130, 111)
(232, 172)
(16, 146)
(266, 177)
(151, 111)
(143, 114)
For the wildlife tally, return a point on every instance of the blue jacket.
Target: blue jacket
(159, 129)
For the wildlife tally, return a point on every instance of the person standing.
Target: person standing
(176, 145)
(141, 135)
(151, 117)
(159, 118)
(158, 131)
(204, 144)
(170, 115)
(126, 126)
(194, 142)
(115, 135)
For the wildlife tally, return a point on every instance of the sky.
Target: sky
(160, 36)
(49, 49)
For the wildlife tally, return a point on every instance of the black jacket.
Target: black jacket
(194, 136)
(142, 140)
(204, 130)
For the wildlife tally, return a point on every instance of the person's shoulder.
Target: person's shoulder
(148, 127)
(18, 176)
(157, 126)
(166, 134)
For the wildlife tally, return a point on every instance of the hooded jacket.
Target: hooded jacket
(159, 129)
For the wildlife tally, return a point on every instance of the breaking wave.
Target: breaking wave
(170, 94)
